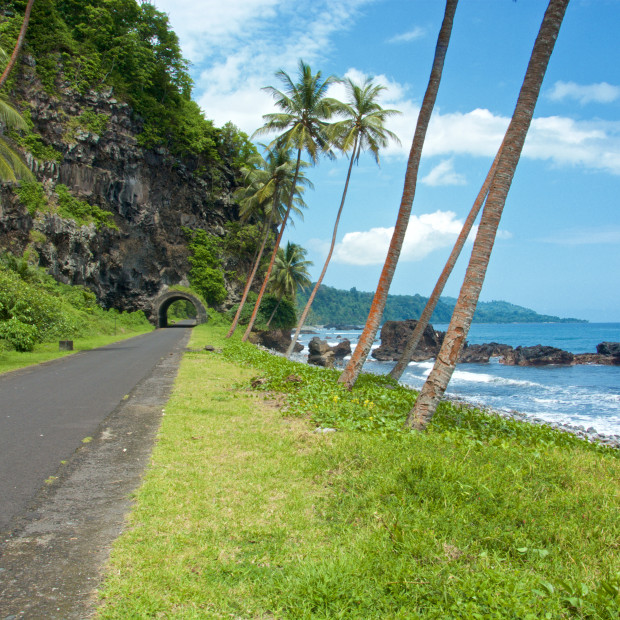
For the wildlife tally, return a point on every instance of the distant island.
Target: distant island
(332, 305)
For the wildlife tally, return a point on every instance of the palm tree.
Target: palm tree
(267, 182)
(354, 367)
(431, 304)
(12, 168)
(437, 382)
(18, 44)
(363, 130)
(290, 272)
(303, 120)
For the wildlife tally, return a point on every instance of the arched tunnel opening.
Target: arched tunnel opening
(164, 302)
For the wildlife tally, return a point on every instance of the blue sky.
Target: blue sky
(558, 247)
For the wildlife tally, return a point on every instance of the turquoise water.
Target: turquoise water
(583, 395)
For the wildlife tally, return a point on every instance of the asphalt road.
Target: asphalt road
(47, 411)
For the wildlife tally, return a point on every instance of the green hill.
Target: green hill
(333, 305)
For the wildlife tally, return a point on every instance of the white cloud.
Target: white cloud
(444, 174)
(425, 234)
(410, 35)
(585, 236)
(241, 43)
(584, 93)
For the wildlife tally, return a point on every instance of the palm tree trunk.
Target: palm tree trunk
(275, 250)
(18, 44)
(274, 312)
(354, 367)
(431, 304)
(255, 266)
(304, 314)
(438, 380)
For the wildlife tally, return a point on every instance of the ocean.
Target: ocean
(582, 395)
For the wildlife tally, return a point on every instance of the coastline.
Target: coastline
(589, 434)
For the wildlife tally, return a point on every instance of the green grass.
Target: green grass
(46, 351)
(247, 513)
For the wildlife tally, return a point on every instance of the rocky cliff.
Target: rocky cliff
(150, 193)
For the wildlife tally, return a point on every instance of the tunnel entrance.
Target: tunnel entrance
(164, 301)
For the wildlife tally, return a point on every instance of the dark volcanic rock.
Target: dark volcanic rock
(596, 358)
(276, 339)
(537, 356)
(608, 348)
(342, 349)
(394, 335)
(320, 353)
(482, 353)
(344, 327)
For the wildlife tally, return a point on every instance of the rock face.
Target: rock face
(537, 356)
(342, 349)
(151, 193)
(394, 335)
(276, 339)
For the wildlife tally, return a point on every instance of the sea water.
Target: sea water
(585, 395)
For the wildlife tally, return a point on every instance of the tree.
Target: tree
(267, 183)
(290, 272)
(18, 44)
(363, 130)
(12, 168)
(354, 367)
(437, 382)
(433, 300)
(303, 120)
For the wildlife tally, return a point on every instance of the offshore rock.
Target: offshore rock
(394, 335)
(482, 353)
(342, 349)
(537, 356)
(608, 348)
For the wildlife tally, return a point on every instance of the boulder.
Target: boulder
(537, 356)
(482, 353)
(608, 348)
(320, 353)
(394, 335)
(276, 339)
(342, 349)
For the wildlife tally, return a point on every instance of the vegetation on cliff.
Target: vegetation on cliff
(333, 305)
(34, 308)
(96, 44)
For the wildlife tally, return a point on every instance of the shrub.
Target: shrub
(21, 336)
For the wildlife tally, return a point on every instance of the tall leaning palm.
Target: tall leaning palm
(363, 130)
(437, 382)
(290, 272)
(18, 44)
(303, 119)
(267, 186)
(354, 367)
(415, 336)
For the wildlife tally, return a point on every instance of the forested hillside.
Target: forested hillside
(332, 305)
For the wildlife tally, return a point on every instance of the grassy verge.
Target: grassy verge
(46, 351)
(248, 513)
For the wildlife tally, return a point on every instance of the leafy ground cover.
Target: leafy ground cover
(246, 512)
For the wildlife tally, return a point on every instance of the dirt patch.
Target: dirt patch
(52, 562)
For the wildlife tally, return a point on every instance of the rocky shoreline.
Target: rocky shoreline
(394, 335)
(321, 354)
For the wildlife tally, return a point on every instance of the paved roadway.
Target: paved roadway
(46, 411)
